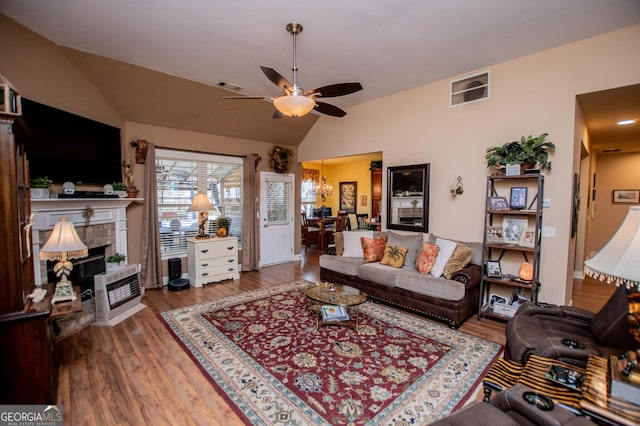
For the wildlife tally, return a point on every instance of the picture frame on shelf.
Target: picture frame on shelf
(518, 198)
(527, 239)
(626, 196)
(496, 299)
(512, 228)
(494, 270)
(494, 234)
(498, 203)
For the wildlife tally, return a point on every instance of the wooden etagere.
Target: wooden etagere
(512, 243)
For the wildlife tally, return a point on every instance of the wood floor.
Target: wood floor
(135, 373)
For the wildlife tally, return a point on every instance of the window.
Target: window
(180, 176)
(308, 198)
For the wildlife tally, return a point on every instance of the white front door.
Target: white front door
(276, 218)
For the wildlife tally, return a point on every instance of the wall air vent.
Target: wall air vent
(611, 150)
(469, 89)
(230, 86)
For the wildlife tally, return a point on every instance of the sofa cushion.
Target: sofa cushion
(352, 243)
(343, 265)
(378, 273)
(427, 257)
(373, 248)
(429, 285)
(610, 325)
(446, 250)
(476, 248)
(394, 256)
(459, 259)
(412, 242)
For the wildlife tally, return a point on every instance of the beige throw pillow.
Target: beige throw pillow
(459, 259)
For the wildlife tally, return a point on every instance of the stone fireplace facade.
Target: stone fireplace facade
(100, 222)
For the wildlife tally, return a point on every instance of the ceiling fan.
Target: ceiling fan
(294, 101)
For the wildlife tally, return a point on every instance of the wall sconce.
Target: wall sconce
(456, 186)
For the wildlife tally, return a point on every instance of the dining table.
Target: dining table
(321, 223)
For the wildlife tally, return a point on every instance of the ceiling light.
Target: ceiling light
(626, 122)
(293, 105)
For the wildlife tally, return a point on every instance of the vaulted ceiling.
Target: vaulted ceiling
(179, 52)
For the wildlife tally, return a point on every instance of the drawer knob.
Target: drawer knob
(230, 269)
(230, 248)
(204, 274)
(230, 260)
(204, 265)
(204, 251)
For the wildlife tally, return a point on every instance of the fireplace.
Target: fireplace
(101, 224)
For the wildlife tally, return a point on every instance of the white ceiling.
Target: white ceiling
(387, 45)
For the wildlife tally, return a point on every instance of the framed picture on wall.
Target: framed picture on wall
(626, 196)
(348, 196)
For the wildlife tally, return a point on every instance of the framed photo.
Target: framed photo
(512, 228)
(518, 197)
(626, 196)
(496, 299)
(348, 196)
(494, 270)
(498, 203)
(527, 239)
(494, 234)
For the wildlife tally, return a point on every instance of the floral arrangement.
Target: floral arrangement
(280, 159)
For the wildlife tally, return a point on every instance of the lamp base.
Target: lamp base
(203, 236)
(64, 292)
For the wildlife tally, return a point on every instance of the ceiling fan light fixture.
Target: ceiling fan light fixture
(294, 106)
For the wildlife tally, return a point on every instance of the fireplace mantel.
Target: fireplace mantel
(82, 212)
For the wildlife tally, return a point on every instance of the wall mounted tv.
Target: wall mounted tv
(69, 148)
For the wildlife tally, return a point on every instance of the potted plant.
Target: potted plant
(528, 152)
(132, 191)
(120, 189)
(223, 226)
(40, 187)
(115, 261)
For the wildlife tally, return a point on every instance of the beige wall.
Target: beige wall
(529, 95)
(613, 171)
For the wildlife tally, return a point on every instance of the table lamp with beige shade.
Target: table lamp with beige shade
(202, 205)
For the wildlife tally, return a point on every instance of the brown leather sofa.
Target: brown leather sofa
(517, 405)
(569, 334)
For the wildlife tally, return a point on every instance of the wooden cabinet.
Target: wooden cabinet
(212, 260)
(512, 235)
(26, 356)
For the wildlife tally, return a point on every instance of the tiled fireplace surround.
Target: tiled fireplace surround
(98, 221)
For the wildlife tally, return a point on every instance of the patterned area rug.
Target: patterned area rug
(261, 351)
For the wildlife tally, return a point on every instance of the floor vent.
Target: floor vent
(469, 89)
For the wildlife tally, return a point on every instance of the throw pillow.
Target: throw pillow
(446, 250)
(459, 259)
(427, 257)
(394, 256)
(352, 243)
(373, 248)
(412, 242)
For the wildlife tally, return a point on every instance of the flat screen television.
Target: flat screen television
(66, 147)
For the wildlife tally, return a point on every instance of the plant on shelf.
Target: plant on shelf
(119, 186)
(115, 261)
(528, 151)
(41, 182)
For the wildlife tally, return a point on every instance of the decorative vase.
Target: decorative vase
(120, 193)
(132, 193)
(113, 266)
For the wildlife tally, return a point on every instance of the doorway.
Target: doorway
(277, 218)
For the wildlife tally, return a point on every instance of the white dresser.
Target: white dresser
(212, 260)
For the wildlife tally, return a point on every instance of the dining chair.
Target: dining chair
(310, 234)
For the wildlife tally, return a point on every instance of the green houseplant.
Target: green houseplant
(39, 187)
(115, 261)
(223, 223)
(528, 151)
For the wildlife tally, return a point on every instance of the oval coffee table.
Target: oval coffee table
(335, 300)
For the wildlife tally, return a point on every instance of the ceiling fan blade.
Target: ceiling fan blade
(277, 79)
(334, 90)
(329, 109)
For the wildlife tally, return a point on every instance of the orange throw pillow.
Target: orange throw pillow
(373, 248)
(427, 257)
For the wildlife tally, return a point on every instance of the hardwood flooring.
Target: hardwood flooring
(135, 373)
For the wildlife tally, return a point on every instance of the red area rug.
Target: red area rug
(261, 351)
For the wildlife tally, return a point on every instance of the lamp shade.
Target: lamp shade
(63, 243)
(294, 105)
(619, 259)
(200, 203)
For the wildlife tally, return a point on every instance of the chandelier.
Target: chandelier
(323, 190)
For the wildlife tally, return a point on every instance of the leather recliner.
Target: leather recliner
(517, 405)
(569, 334)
